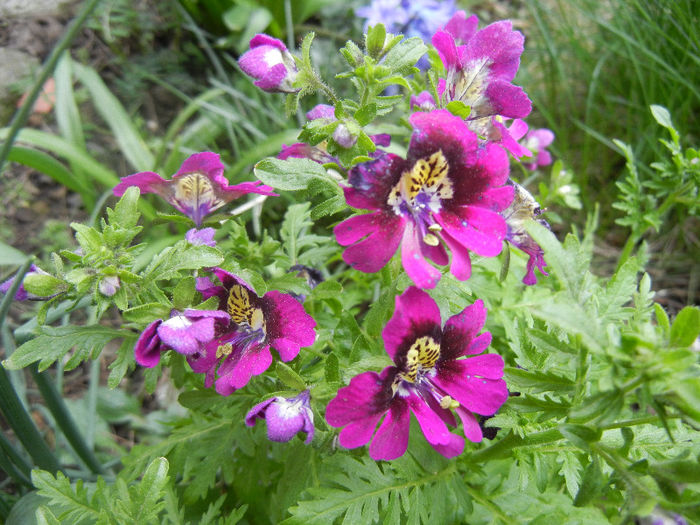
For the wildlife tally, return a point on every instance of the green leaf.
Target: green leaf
(404, 55)
(374, 40)
(111, 110)
(662, 319)
(459, 109)
(74, 502)
(366, 114)
(332, 369)
(289, 377)
(538, 381)
(592, 484)
(147, 313)
(685, 327)
(290, 174)
(183, 256)
(125, 213)
(662, 116)
(53, 343)
(580, 435)
(43, 285)
(47, 165)
(10, 256)
(183, 293)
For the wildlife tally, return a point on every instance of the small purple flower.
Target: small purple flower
(22, 294)
(448, 190)
(481, 70)
(242, 348)
(109, 285)
(424, 101)
(271, 64)
(185, 332)
(523, 209)
(203, 237)
(197, 189)
(285, 417)
(429, 379)
(536, 141)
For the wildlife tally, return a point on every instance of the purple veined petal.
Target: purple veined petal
(437, 254)
(478, 394)
(373, 253)
(461, 265)
(184, 335)
(381, 139)
(500, 45)
(508, 100)
(461, 27)
(421, 272)
(434, 428)
(258, 411)
(148, 346)
(206, 163)
(203, 237)
(470, 425)
(461, 330)
(146, 182)
(497, 199)
(252, 362)
(477, 229)
(391, 439)
(415, 315)
(290, 326)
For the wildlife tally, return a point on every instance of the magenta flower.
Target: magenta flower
(537, 141)
(429, 379)
(448, 190)
(525, 208)
(480, 72)
(285, 417)
(271, 64)
(198, 188)
(185, 332)
(242, 349)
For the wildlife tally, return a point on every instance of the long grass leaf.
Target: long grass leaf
(111, 110)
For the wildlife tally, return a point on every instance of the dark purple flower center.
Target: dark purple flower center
(420, 191)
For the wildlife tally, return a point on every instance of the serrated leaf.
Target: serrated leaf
(147, 313)
(374, 40)
(125, 214)
(538, 381)
(592, 484)
(53, 343)
(580, 435)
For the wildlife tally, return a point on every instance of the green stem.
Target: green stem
(21, 422)
(634, 422)
(23, 113)
(13, 463)
(64, 420)
(504, 447)
(494, 509)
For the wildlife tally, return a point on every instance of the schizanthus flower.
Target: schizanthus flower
(197, 189)
(448, 190)
(537, 141)
(285, 417)
(523, 209)
(480, 71)
(242, 349)
(203, 237)
(428, 378)
(269, 61)
(185, 332)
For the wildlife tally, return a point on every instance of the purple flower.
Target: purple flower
(525, 208)
(271, 64)
(21, 294)
(480, 72)
(461, 27)
(242, 349)
(198, 188)
(185, 332)
(536, 141)
(203, 237)
(109, 285)
(428, 379)
(424, 101)
(448, 190)
(285, 417)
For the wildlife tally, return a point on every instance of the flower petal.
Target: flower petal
(372, 254)
(415, 315)
(146, 181)
(421, 272)
(470, 425)
(477, 229)
(458, 336)
(288, 324)
(479, 394)
(391, 439)
(148, 346)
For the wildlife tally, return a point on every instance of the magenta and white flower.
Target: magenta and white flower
(537, 141)
(197, 189)
(436, 370)
(270, 63)
(285, 417)
(448, 192)
(186, 332)
(242, 348)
